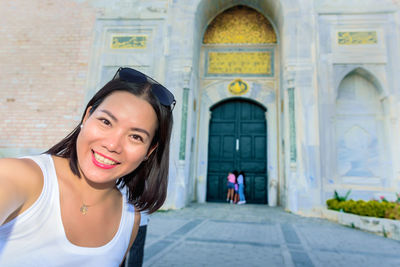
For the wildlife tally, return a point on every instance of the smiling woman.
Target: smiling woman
(118, 143)
(68, 203)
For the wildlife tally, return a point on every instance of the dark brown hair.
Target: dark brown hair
(147, 184)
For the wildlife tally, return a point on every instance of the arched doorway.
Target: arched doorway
(239, 68)
(237, 141)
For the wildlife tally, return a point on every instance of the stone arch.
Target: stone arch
(274, 10)
(363, 72)
(359, 128)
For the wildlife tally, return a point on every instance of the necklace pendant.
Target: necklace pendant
(84, 209)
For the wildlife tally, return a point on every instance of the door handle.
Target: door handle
(237, 144)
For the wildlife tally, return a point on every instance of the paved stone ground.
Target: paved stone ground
(215, 234)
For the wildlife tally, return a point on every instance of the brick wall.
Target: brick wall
(44, 54)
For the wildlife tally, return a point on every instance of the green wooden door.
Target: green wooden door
(237, 141)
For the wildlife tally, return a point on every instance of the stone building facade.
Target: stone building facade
(302, 95)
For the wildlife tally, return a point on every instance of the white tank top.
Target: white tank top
(37, 237)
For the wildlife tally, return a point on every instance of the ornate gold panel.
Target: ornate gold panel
(357, 38)
(243, 62)
(240, 25)
(129, 42)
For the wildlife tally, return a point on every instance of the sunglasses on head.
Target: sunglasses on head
(163, 95)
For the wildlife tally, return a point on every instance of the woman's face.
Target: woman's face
(116, 137)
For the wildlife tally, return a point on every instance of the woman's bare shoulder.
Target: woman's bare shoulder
(20, 185)
(23, 173)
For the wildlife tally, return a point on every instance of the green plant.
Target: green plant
(341, 198)
(372, 208)
(393, 212)
(384, 232)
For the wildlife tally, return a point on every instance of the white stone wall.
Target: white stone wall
(376, 64)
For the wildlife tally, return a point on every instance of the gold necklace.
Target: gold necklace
(84, 208)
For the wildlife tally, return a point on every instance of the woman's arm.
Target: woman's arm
(20, 182)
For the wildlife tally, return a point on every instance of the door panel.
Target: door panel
(228, 147)
(245, 147)
(221, 166)
(223, 127)
(252, 127)
(260, 148)
(214, 147)
(213, 186)
(253, 166)
(259, 188)
(237, 142)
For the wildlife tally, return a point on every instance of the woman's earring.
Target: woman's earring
(81, 126)
(145, 158)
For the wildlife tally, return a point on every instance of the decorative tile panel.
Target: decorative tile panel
(129, 42)
(357, 38)
(240, 62)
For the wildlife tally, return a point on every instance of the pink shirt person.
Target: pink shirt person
(231, 178)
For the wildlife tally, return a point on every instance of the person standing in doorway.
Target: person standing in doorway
(236, 194)
(240, 181)
(231, 186)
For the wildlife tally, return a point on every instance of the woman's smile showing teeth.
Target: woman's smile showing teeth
(102, 161)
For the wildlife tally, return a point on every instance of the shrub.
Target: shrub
(393, 212)
(372, 208)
